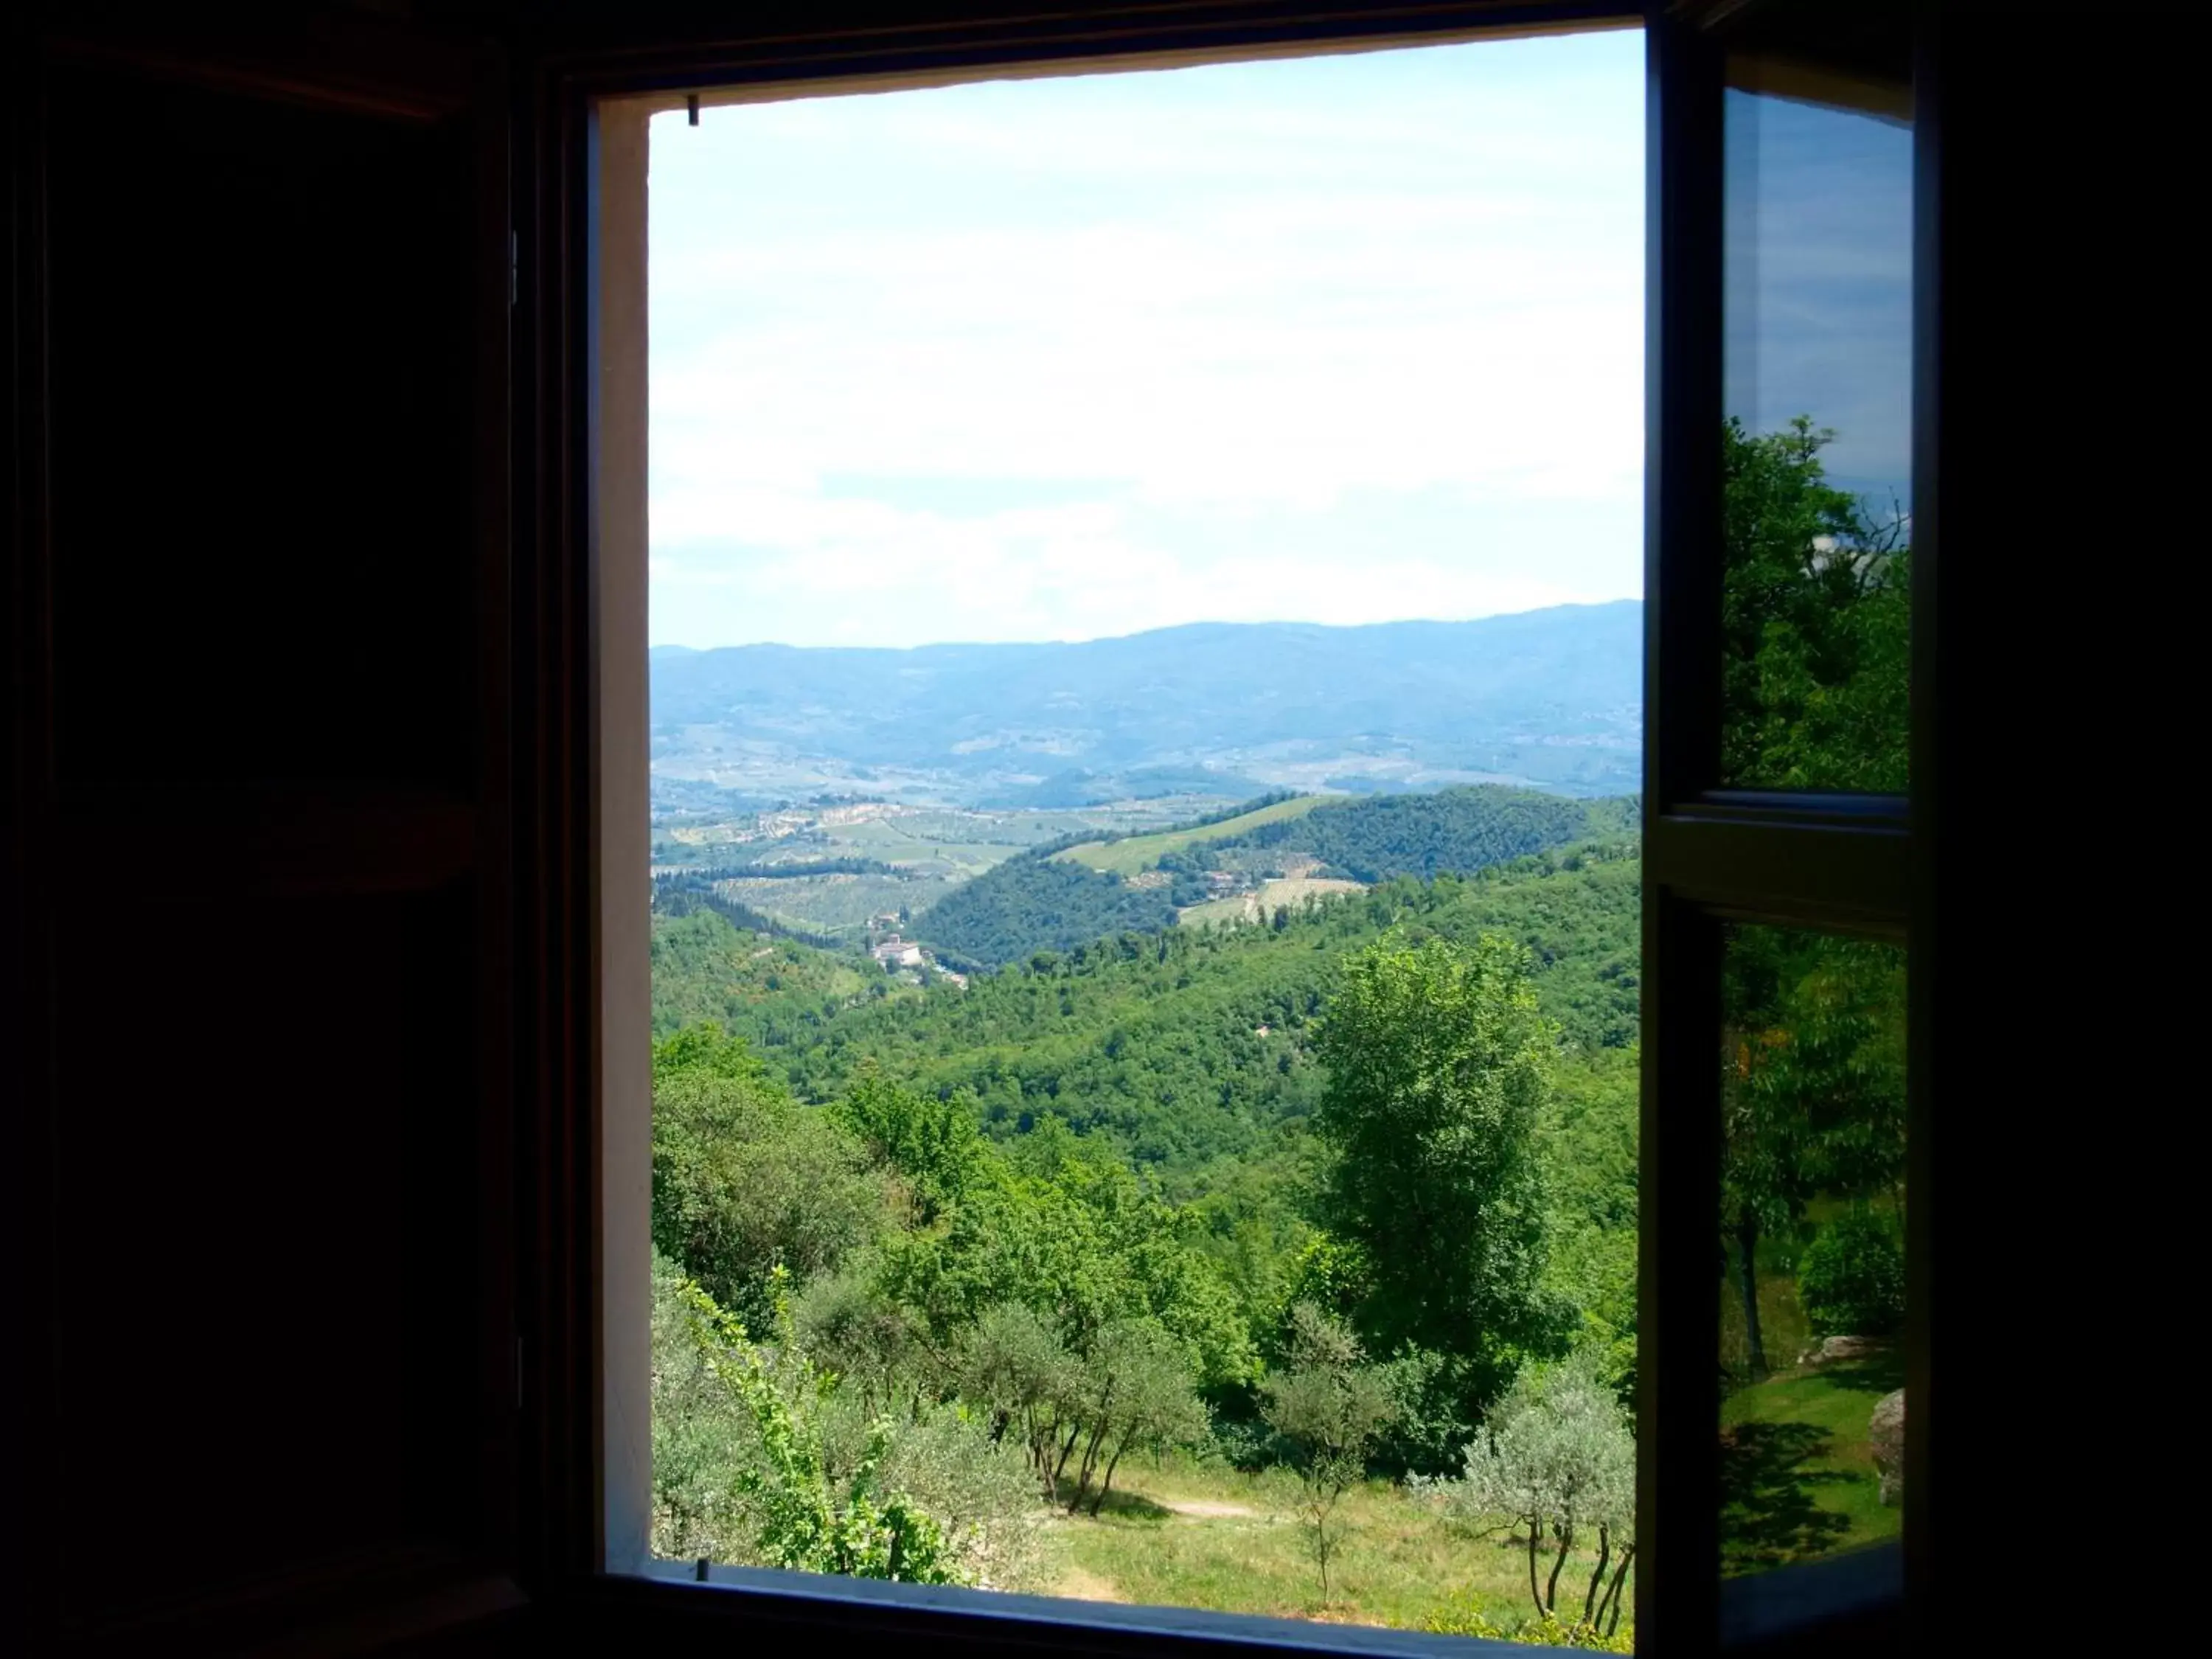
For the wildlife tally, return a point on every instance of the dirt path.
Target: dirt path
(1202, 1510)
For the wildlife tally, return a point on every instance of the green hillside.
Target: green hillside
(1190, 1046)
(1029, 904)
(1056, 898)
(1138, 852)
(706, 968)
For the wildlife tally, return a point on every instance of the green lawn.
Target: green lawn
(1797, 1476)
(1202, 1536)
(1126, 857)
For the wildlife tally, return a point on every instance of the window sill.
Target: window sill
(1846, 1602)
(838, 1609)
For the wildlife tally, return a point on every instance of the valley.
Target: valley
(1157, 1119)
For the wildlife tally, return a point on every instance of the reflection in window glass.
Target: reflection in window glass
(1812, 1246)
(1817, 211)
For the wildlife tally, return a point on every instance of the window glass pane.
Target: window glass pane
(1812, 1246)
(1818, 324)
(1145, 721)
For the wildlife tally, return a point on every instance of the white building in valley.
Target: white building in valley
(896, 952)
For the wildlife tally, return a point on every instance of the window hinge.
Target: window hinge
(513, 270)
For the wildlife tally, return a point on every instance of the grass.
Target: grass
(1126, 857)
(1186, 1534)
(1797, 1476)
(1784, 1330)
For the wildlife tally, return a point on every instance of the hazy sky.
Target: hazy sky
(1335, 339)
(1817, 211)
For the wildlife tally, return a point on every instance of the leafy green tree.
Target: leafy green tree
(744, 1179)
(1329, 1406)
(1016, 1366)
(1815, 622)
(874, 1349)
(932, 1142)
(1438, 1067)
(1813, 1087)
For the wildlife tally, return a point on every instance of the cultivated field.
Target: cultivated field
(1126, 858)
(1258, 906)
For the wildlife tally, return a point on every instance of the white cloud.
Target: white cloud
(1178, 304)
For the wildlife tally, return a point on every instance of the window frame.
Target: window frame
(1847, 863)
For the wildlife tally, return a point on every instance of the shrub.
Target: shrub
(1851, 1281)
(980, 1491)
(1248, 1444)
(1462, 1615)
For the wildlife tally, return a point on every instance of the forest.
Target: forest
(1289, 1268)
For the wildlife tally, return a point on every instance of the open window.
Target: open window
(1780, 1023)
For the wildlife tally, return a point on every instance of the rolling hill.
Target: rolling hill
(1054, 898)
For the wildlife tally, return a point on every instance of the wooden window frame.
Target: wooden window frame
(1862, 865)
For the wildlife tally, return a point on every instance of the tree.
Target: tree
(874, 1348)
(1557, 1458)
(1134, 1390)
(1815, 622)
(744, 1179)
(1437, 1064)
(932, 1143)
(1812, 1090)
(1330, 1407)
(1017, 1367)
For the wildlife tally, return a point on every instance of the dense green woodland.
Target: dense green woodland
(1032, 902)
(1450, 831)
(1182, 1048)
(1347, 1197)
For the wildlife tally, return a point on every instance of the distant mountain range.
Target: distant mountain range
(1548, 697)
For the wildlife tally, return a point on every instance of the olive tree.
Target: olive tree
(1330, 1407)
(1557, 1458)
(1135, 1391)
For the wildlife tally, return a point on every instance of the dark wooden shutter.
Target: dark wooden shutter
(258, 914)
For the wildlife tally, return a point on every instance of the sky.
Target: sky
(1340, 339)
(1817, 256)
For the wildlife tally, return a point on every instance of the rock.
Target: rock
(1886, 1438)
(1831, 1349)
